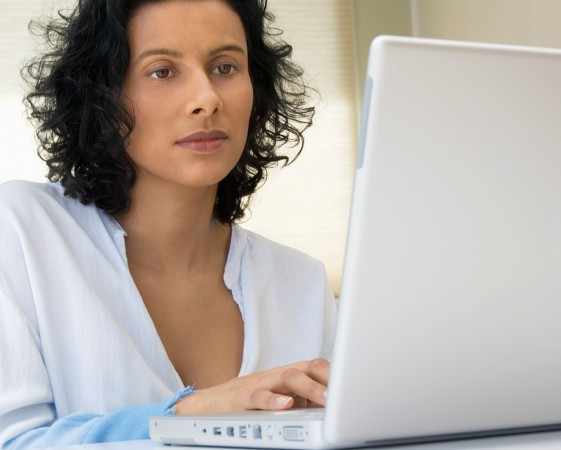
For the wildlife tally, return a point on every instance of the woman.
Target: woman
(126, 288)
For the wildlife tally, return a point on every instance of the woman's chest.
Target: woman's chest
(200, 326)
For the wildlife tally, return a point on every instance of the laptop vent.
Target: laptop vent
(174, 440)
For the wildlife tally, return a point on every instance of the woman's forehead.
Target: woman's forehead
(186, 25)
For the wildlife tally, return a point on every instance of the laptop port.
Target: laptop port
(243, 431)
(229, 431)
(257, 432)
(270, 432)
(293, 433)
(217, 431)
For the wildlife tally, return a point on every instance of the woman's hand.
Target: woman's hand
(300, 384)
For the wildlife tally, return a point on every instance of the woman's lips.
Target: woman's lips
(203, 141)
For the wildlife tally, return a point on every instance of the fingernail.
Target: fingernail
(282, 400)
(317, 362)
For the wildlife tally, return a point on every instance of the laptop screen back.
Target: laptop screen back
(451, 297)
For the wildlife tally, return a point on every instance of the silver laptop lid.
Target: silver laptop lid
(450, 315)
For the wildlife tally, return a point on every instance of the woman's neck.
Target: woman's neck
(173, 228)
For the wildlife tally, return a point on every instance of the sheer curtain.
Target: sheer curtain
(306, 204)
(17, 149)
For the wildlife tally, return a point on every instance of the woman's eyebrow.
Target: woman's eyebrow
(178, 54)
(159, 52)
(227, 48)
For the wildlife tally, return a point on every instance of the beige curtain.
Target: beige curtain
(306, 205)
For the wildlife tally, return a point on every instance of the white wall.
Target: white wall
(523, 22)
(372, 18)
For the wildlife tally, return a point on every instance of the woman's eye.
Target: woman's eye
(225, 69)
(161, 74)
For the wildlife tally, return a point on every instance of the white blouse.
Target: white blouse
(77, 344)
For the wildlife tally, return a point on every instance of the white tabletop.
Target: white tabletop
(530, 441)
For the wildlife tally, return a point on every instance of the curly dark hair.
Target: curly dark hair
(82, 124)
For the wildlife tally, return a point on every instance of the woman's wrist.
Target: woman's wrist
(171, 409)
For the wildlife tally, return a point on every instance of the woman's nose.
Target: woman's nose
(203, 99)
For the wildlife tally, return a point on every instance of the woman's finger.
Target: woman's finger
(264, 399)
(300, 402)
(301, 385)
(319, 370)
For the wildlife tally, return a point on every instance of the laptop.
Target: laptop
(450, 309)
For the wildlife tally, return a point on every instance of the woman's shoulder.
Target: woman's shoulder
(16, 191)
(20, 195)
(27, 199)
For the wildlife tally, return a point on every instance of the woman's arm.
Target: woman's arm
(298, 384)
(28, 417)
(27, 414)
(82, 428)
(281, 388)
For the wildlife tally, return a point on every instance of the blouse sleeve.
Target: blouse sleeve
(27, 415)
(82, 428)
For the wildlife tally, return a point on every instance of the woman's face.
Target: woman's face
(191, 92)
